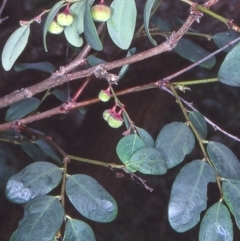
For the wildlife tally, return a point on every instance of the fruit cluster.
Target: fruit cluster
(99, 12)
(113, 118)
(63, 19)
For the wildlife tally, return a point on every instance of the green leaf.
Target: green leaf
(175, 141)
(33, 151)
(189, 195)
(36, 179)
(41, 66)
(14, 46)
(91, 199)
(7, 169)
(42, 219)
(77, 230)
(231, 195)
(223, 38)
(121, 25)
(60, 94)
(199, 123)
(125, 68)
(225, 162)
(146, 16)
(148, 160)
(48, 150)
(72, 36)
(193, 52)
(93, 61)
(51, 15)
(162, 24)
(90, 31)
(216, 224)
(22, 108)
(77, 9)
(229, 71)
(145, 136)
(127, 146)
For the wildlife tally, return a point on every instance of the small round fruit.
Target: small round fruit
(114, 122)
(104, 95)
(55, 28)
(101, 13)
(106, 114)
(64, 19)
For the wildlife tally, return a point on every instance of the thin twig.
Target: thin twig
(200, 61)
(215, 127)
(1, 11)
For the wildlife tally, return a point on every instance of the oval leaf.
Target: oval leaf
(36, 179)
(60, 94)
(33, 151)
(77, 230)
(72, 36)
(121, 25)
(199, 123)
(22, 108)
(146, 16)
(48, 150)
(193, 52)
(91, 199)
(231, 195)
(225, 162)
(93, 61)
(148, 160)
(189, 195)
(90, 31)
(223, 38)
(229, 70)
(127, 146)
(216, 224)
(41, 66)
(175, 141)
(146, 137)
(7, 168)
(51, 15)
(14, 46)
(42, 219)
(77, 9)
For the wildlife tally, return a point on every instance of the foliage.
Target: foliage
(137, 150)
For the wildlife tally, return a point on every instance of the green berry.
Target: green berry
(106, 114)
(104, 95)
(55, 28)
(115, 121)
(101, 13)
(64, 19)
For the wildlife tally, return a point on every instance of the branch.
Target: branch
(59, 78)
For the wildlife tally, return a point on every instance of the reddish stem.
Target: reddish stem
(67, 9)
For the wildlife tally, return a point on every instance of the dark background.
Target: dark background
(142, 215)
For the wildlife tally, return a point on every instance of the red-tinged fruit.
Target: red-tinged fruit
(106, 114)
(101, 13)
(115, 120)
(64, 19)
(55, 28)
(104, 95)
